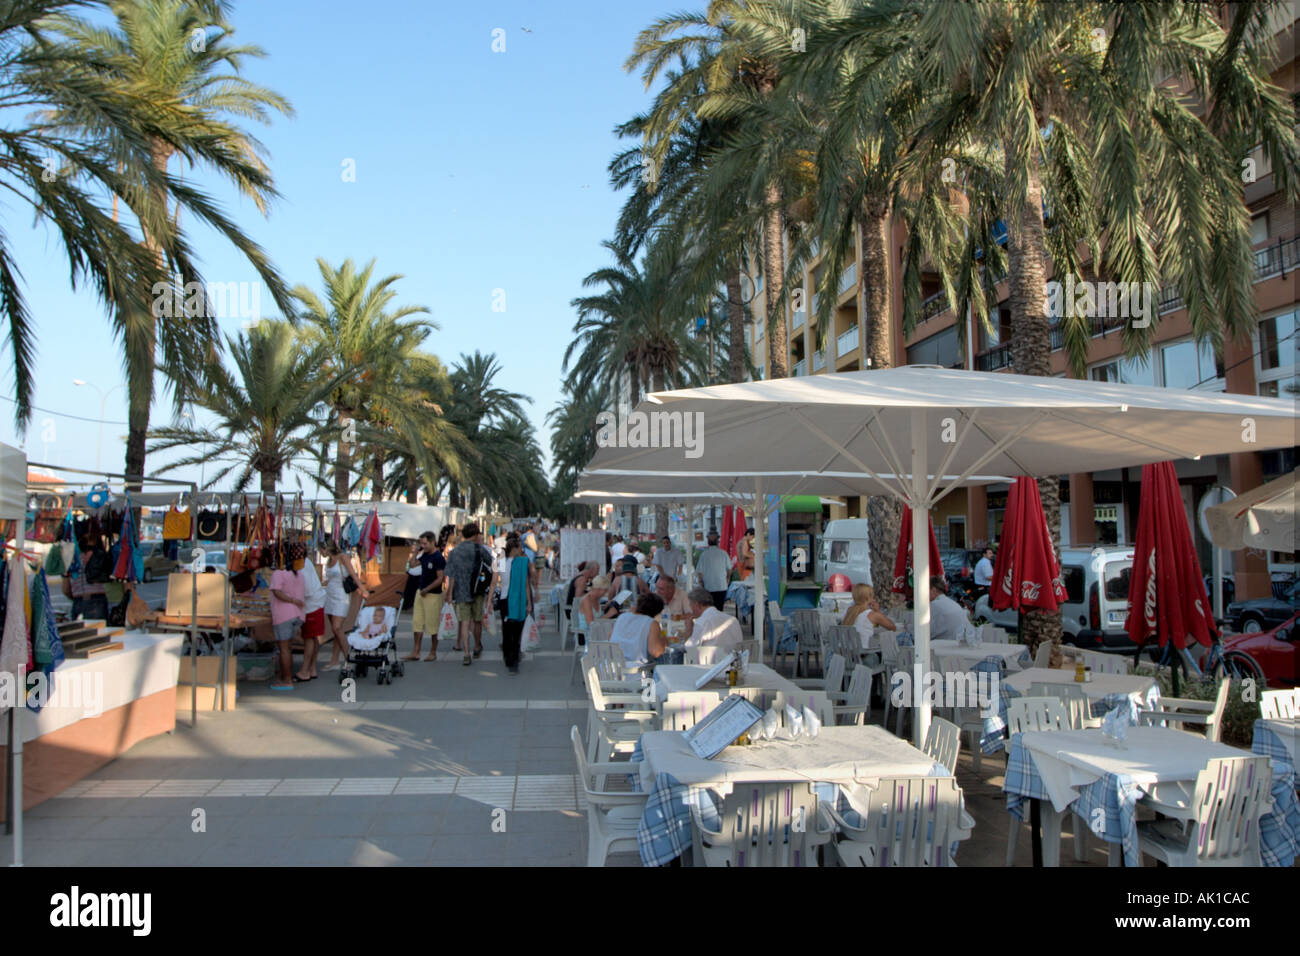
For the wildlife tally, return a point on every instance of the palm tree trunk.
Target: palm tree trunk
(1031, 348)
(141, 345)
(268, 482)
(773, 282)
(736, 327)
(884, 512)
(377, 477)
(343, 460)
(412, 483)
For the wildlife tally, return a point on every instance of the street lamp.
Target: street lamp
(103, 401)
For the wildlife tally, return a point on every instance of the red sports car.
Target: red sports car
(1273, 651)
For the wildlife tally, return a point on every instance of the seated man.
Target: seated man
(711, 627)
(674, 598)
(948, 620)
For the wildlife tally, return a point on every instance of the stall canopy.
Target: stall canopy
(905, 431)
(1263, 518)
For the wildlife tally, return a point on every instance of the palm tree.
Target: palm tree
(152, 48)
(713, 58)
(264, 409)
(373, 349)
(500, 466)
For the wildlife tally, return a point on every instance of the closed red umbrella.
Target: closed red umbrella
(1166, 593)
(1026, 574)
(725, 535)
(903, 560)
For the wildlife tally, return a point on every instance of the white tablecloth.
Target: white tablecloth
(1069, 760)
(842, 755)
(954, 655)
(676, 678)
(1101, 685)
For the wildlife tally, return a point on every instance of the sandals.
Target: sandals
(468, 660)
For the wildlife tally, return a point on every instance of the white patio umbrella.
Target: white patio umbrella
(1263, 518)
(916, 433)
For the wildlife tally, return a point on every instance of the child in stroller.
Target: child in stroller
(373, 643)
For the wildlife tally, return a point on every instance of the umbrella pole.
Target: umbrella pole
(759, 551)
(920, 574)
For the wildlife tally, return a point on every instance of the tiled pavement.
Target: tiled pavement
(448, 765)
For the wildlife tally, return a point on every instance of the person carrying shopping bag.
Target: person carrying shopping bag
(519, 603)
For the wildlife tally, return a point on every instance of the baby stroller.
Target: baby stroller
(378, 652)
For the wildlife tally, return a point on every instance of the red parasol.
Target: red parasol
(726, 540)
(1027, 574)
(903, 561)
(1166, 593)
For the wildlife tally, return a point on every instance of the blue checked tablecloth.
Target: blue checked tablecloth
(994, 725)
(1269, 743)
(665, 830)
(1108, 807)
(743, 598)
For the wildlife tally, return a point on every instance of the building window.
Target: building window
(942, 348)
(1276, 348)
(1188, 365)
(1124, 372)
(1259, 229)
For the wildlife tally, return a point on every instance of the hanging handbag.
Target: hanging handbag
(176, 523)
(98, 495)
(212, 522)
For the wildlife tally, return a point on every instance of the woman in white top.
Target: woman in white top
(638, 634)
(589, 607)
(865, 614)
(338, 603)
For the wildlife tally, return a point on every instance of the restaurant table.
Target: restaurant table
(1277, 739)
(1081, 771)
(837, 757)
(954, 655)
(1105, 692)
(835, 601)
(676, 678)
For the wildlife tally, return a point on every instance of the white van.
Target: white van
(1096, 599)
(845, 551)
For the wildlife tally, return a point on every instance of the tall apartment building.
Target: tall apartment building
(1099, 508)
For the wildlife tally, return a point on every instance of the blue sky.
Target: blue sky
(475, 171)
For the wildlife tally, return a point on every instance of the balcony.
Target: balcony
(800, 368)
(819, 361)
(994, 360)
(848, 278)
(846, 342)
(1278, 259)
(934, 305)
(815, 300)
(798, 320)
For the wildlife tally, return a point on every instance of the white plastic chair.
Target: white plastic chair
(685, 709)
(1043, 656)
(832, 681)
(1183, 710)
(777, 622)
(814, 700)
(843, 640)
(807, 624)
(613, 728)
(755, 649)
(1073, 699)
(1222, 828)
(902, 665)
(612, 817)
(910, 821)
(1279, 704)
(1036, 713)
(704, 656)
(943, 743)
(763, 824)
(1042, 714)
(1102, 663)
(856, 701)
(888, 667)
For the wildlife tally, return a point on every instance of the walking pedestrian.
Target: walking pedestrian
(469, 575)
(714, 567)
(427, 612)
(338, 601)
(518, 598)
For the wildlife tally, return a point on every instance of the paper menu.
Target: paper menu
(718, 730)
(714, 672)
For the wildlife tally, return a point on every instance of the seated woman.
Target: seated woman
(865, 614)
(638, 634)
(589, 608)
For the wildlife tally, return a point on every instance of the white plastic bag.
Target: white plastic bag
(447, 629)
(532, 636)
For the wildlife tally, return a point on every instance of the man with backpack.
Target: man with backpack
(469, 571)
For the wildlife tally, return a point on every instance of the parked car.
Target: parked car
(1259, 614)
(1274, 651)
(1096, 599)
(156, 562)
(216, 560)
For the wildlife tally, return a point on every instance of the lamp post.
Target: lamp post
(103, 402)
